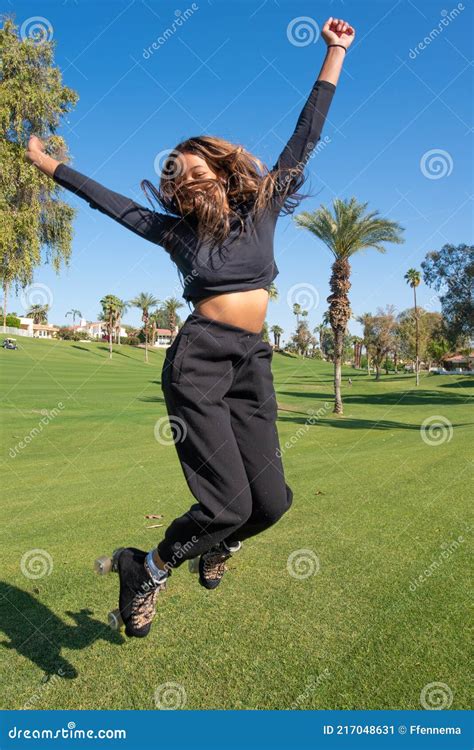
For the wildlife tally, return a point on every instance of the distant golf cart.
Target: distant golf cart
(10, 344)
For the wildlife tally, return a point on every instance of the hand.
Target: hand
(36, 154)
(338, 31)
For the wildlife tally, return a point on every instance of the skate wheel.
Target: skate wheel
(103, 565)
(115, 620)
(194, 565)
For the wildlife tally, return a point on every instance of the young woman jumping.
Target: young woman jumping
(221, 206)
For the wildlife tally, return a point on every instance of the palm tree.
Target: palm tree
(277, 331)
(297, 312)
(345, 233)
(365, 319)
(111, 306)
(170, 308)
(122, 308)
(413, 278)
(74, 313)
(144, 301)
(39, 313)
(272, 293)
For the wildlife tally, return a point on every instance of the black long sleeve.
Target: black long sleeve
(151, 225)
(308, 128)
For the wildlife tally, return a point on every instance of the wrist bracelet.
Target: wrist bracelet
(337, 45)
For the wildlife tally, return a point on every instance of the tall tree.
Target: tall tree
(110, 312)
(413, 278)
(451, 271)
(345, 233)
(39, 313)
(277, 331)
(145, 301)
(34, 222)
(381, 330)
(170, 308)
(74, 313)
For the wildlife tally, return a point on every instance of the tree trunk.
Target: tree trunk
(417, 358)
(368, 360)
(338, 349)
(377, 370)
(5, 301)
(110, 340)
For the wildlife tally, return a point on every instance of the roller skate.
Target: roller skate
(211, 566)
(138, 591)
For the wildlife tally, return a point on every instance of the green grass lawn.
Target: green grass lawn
(375, 507)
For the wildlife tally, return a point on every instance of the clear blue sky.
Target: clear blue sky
(231, 70)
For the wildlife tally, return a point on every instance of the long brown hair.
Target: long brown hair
(244, 186)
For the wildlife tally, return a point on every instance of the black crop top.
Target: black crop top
(245, 260)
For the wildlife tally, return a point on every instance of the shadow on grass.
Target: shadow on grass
(38, 634)
(402, 398)
(85, 349)
(360, 424)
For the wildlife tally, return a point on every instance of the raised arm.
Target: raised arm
(153, 226)
(313, 115)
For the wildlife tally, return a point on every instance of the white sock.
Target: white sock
(158, 575)
(232, 547)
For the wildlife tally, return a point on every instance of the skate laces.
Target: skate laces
(215, 563)
(143, 606)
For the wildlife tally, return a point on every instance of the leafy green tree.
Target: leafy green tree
(451, 271)
(346, 233)
(34, 222)
(145, 301)
(380, 333)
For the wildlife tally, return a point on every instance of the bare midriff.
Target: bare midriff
(243, 309)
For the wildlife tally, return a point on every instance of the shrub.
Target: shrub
(12, 321)
(131, 340)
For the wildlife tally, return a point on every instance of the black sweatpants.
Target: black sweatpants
(218, 387)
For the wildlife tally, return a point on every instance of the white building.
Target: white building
(96, 330)
(37, 330)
